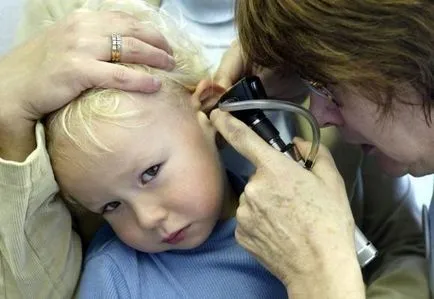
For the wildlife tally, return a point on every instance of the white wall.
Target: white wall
(10, 11)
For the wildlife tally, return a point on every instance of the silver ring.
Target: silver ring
(116, 47)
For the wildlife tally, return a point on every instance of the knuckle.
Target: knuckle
(251, 190)
(241, 215)
(161, 58)
(238, 235)
(132, 46)
(117, 15)
(234, 132)
(74, 21)
(76, 33)
(77, 74)
(125, 15)
(81, 42)
(120, 75)
(134, 27)
(157, 38)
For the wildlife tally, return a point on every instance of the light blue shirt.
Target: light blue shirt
(219, 268)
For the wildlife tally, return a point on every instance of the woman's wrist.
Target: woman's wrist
(337, 275)
(17, 137)
(17, 126)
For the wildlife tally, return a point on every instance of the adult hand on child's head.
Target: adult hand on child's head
(298, 223)
(72, 55)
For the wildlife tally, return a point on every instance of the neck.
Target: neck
(419, 138)
(426, 151)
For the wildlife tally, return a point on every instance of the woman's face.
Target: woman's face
(399, 141)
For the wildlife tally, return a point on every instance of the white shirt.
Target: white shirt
(211, 22)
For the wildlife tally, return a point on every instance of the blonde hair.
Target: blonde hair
(75, 120)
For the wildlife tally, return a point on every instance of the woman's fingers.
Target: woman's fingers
(106, 75)
(137, 51)
(324, 166)
(232, 67)
(140, 43)
(104, 23)
(150, 35)
(261, 154)
(245, 141)
(240, 136)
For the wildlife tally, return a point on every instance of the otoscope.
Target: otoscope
(245, 100)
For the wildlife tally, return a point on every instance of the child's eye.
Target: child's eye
(111, 206)
(150, 173)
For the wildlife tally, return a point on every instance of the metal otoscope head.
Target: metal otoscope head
(251, 88)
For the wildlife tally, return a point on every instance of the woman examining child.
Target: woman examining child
(66, 239)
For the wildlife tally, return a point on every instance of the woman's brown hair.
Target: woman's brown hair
(376, 46)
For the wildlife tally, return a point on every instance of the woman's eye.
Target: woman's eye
(329, 90)
(336, 103)
(111, 206)
(150, 173)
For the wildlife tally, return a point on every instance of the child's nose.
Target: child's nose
(150, 217)
(325, 111)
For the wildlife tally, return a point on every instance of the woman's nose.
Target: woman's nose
(150, 217)
(325, 111)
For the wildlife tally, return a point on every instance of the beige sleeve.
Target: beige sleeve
(391, 220)
(40, 255)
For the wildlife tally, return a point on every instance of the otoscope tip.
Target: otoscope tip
(308, 164)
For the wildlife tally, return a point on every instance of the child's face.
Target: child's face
(161, 187)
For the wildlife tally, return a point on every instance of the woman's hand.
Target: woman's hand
(71, 56)
(232, 67)
(297, 223)
(51, 69)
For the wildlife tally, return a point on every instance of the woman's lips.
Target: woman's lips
(176, 237)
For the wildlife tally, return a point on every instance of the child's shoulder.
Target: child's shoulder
(106, 243)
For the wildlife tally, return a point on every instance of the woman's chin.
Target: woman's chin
(391, 166)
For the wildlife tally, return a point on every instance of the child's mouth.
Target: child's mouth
(177, 236)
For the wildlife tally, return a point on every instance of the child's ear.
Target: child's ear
(208, 93)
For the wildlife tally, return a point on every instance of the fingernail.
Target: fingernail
(212, 115)
(172, 63)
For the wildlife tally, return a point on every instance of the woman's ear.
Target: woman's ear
(208, 93)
